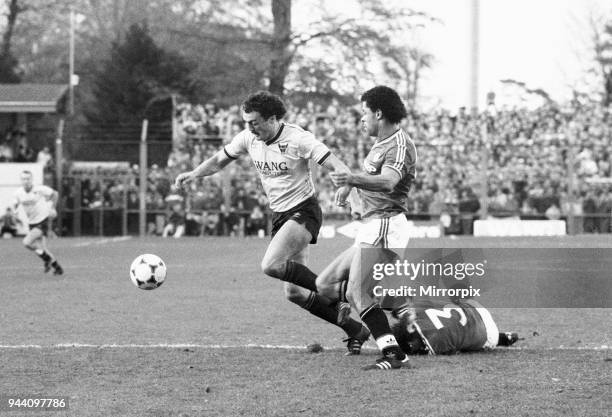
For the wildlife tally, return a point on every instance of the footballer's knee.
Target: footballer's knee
(326, 288)
(28, 243)
(274, 268)
(295, 294)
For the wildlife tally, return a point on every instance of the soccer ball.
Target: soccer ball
(148, 271)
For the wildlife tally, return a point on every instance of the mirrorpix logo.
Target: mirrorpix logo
(282, 147)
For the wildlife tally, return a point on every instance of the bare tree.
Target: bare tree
(358, 40)
(407, 63)
(237, 45)
(8, 63)
(281, 55)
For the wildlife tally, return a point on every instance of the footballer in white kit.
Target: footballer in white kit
(281, 153)
(38, 202)
(282, 163)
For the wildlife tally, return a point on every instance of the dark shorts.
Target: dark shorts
(43, 226)
(9, 230)
(307, 213)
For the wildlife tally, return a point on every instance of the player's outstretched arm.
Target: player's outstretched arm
(385, 181)
(333, 163)
(211, 166)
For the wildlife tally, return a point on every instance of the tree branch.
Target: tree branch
(221, 39)
(14, 9)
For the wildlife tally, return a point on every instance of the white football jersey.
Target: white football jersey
(282, 163)
(35, 203)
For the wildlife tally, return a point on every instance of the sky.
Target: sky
(544, 43)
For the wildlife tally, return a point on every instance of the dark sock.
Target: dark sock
(300, 275)
(352, 327)
(45, 256)
(316, 306)
(376, 320)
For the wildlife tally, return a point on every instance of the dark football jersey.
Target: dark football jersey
(445, 328)
(398, 153)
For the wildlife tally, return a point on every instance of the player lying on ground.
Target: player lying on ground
(440, 328)
(38, 202)
(388, 173)
(281, 153)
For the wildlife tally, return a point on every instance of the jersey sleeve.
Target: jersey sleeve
(401, 157)
(238, 146)
(310, 148)
(46, 191)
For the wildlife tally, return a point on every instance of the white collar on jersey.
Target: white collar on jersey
(275, 138)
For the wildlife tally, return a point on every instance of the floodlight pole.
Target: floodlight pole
(484, 166)
(71, 66)
(142, 213)
(571, 159)
(475, 53)
(59, 171)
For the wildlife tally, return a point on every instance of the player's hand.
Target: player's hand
(52, 213)
(341, 196)
(340, 179)
(356, 204)
(184, 179)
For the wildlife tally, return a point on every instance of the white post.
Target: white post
(142, 208)
(71, 66)
(474, 54)
(59, 171)
(571, 186)
(484, 160)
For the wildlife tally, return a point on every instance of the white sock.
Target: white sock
(386, 341)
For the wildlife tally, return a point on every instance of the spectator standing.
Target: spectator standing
(6, 149)
(176, 221)
(24, 152)
(45, 158)
(589, 207)
(9, 223)
(604, 209)
(468, 207)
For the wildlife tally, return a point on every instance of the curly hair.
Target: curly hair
(266, 104)
(387, 101)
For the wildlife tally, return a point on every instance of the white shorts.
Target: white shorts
(389, 233)
(490, 326)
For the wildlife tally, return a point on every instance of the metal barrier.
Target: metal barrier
(115, 221)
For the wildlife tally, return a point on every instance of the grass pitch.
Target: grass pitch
(218, 339)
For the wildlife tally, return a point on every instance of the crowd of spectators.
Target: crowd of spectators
(507, 162)
(14, 147)
(520, 157)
